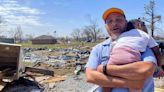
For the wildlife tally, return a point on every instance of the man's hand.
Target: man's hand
(100, 68)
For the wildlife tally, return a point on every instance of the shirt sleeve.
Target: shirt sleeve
(93, 60)
(148, 55)
(152, 42)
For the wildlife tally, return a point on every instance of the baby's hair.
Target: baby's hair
(135, 23)
(130, 26)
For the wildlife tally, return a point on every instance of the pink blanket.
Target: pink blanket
(124, 55)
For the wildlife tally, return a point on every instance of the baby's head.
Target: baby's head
(136, 24)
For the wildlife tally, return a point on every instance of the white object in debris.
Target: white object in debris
(93, 89)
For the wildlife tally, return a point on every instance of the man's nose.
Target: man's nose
(114, 23)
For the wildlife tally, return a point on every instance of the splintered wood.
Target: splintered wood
(10, 61)
(49, 80)
(2, 84)
(54, 79)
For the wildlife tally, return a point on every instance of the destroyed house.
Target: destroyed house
(44, 39)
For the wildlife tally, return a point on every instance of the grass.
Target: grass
(28, 64)
(62, 45)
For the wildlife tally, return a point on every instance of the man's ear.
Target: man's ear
(106, 26)
(107, 29)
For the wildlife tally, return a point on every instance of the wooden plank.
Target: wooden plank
(8, 54)
(2, 85)
(9, 47)
(38, 70)
(10, 58)
(54, 79)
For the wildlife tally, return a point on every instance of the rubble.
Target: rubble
(51, 66)
(54, 68)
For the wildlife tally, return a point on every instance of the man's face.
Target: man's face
(115, 24)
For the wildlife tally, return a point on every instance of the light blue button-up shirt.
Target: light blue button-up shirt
(100, 55)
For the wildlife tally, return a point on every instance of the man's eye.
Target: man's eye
(109, 21)
(118, 20)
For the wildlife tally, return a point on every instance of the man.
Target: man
(119, 77)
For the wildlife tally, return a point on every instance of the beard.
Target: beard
(116, 33)
(114, 36)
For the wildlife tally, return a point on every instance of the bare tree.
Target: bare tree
(29, 36)
(93, 28)
(1, 21)
(18, 35)
(87, 33)
(76, 34)
(61, 39)
(150, 16)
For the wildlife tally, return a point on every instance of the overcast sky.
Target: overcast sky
(40, 17)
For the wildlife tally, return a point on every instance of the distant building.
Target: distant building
(7, 40)
(44, 39)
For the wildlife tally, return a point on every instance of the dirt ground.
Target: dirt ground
(46, 53)
(57, 71)
(64, 71)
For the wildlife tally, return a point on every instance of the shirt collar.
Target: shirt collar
(107, 42)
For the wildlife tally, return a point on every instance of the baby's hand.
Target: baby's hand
(161, 73)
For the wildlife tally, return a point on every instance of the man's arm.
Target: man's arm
(95, 77)
(99, 78)
(134, 71)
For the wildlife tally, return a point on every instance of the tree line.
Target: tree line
(92, 31)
